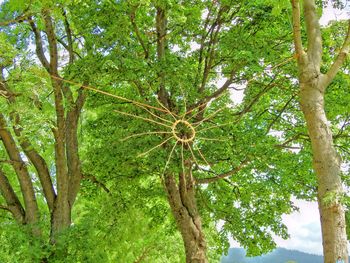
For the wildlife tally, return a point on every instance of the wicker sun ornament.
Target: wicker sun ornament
(180, 128)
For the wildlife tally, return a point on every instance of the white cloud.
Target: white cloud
(304, 228)
(329, 14)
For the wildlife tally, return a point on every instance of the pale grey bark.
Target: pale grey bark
(326, 161)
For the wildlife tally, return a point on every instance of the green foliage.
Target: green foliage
(18, 244)
(266, 131)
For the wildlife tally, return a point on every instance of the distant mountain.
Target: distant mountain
(279, 255)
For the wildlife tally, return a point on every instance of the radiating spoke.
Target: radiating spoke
(213, 126)
(202, 156)
(142, 118)
(196, 124)
(194, 115)
(185, 104)
(139, 104)
(202, 104)
(169, 158)
(194, 157)
(211, 139)
(155, 147)
(155, 115)
(144, 133)
(182, 158)
(159, 116)
(166, 109)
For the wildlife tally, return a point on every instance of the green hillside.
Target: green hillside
(279, 255)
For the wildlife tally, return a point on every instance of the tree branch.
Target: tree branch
(36, 159)
(267, 87)
(343, 53)
(280, 113)
(137, 31)
(39, 45)
(314, 38)
(94, 180)
(297, 30)
(18, 19)
(216, 94)
(51, 37)
(161, 23)
(12, 201)
(69, 38)
(222, 176)
(4, 207)
(27, 189)
(72, 152)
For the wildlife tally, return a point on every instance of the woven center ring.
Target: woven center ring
(189, 127)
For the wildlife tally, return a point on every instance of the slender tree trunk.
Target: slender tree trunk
(183, 205)
(24, 179)
(12, 201)
(326, 161)
(326, 164)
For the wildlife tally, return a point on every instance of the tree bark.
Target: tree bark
(12, 201)
(326, 164)
(24, 179)
(326, 161)
(183, 205)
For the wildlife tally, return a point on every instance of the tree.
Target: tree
(223, 173)
(326, 161)
(58, 107)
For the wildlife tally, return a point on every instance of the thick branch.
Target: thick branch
(17, 19)
(343, 53)
(72, 152)
(209, 59)
(297, 30)
(21, 170)
(42, 170)
(12, 201)
(36, 159)
(161, 23)
(60, 129)
(215, 94)
(314, 39)
(4, 207)
(222, 176)
(202, 44)
(69, 38)
(39, 45)
(51, 37)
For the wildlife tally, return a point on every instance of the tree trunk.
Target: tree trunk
(326, 161)
(326, 164)
(60, 218)
(183, 205)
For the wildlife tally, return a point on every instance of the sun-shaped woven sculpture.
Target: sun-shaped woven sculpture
(179, 128)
